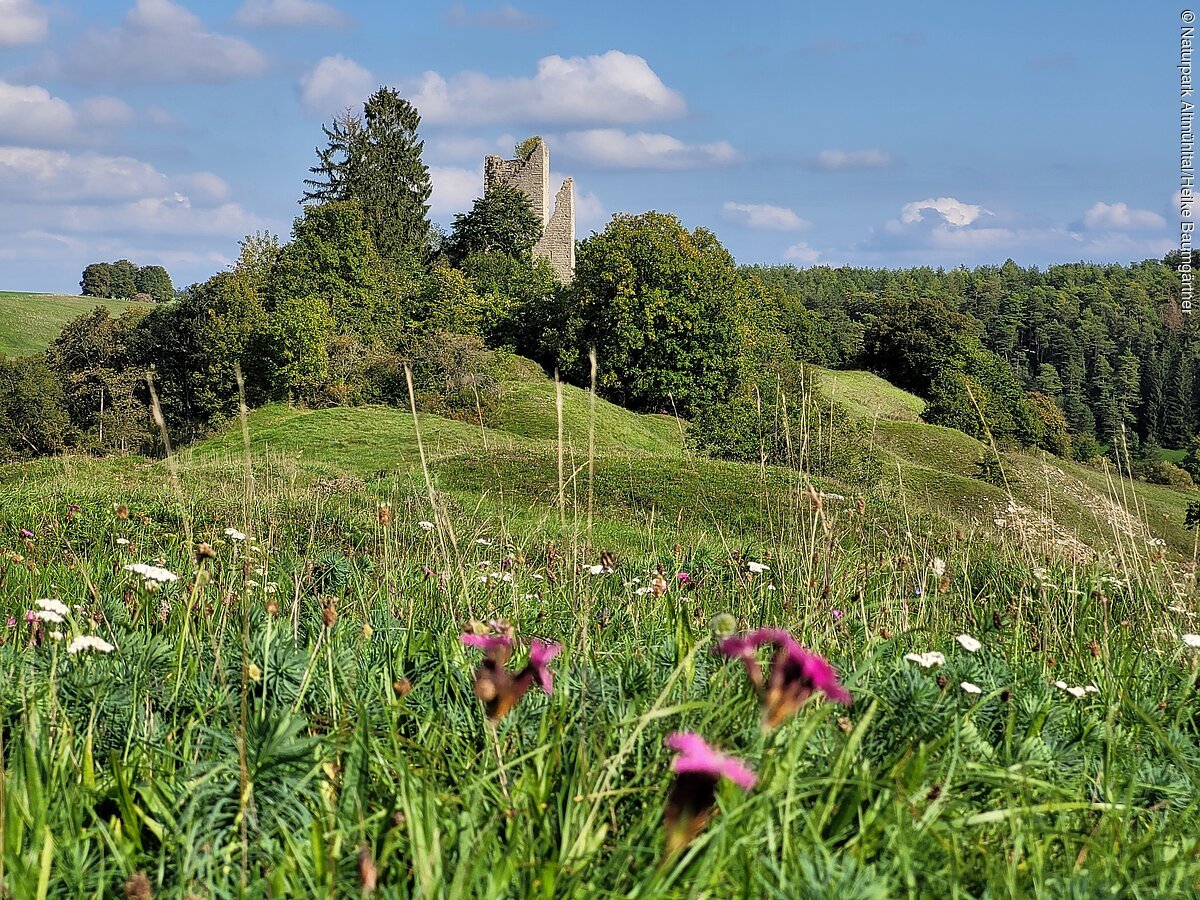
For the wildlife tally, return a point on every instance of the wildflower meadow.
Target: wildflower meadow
(222, 681)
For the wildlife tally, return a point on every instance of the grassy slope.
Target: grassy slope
(642, 475)
(29, 322)
(1060, 502)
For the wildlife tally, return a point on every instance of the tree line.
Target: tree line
(1067, 360)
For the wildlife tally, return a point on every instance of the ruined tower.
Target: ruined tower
(530, 174)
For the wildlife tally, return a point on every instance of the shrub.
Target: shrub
(1161, 471)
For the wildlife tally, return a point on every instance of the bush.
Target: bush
(1161, 471)
(785, 419)
(454, 375)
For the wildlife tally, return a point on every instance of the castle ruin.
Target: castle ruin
(530, 174)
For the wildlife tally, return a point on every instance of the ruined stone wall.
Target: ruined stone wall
(558, 239)
(532, 177)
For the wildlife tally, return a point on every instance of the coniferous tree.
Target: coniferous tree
(375, 158)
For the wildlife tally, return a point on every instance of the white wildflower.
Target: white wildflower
(483, 542)
(598, 569)
(57, 635)
(425, 526)
(938, 567)
(1077, 691)
(48, 604)
(90, 642)
(234, 535)
(1192, 640)
(968, 643)
(123, 542)
(757, 568)
(151, 573)
(925, 660)
(971, 688)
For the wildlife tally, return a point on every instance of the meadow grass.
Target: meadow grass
(301, 701)
(296, 712)
(29, 322)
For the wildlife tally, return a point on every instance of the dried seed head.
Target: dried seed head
(123, 514)
(272, 607)
(885, 633)
(137, 887)
(205, 551)
(1094, 646)
(368, 875)
(329, 614)
(385, 514)
(942, 681)
(402, 687)
(862, 506)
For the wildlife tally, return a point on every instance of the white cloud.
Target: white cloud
(160, 215)
(612, 87)
(31, 113)
(106, 111)
(463, 147)
(838, 160)
(953, 211)
(615, 149)
(333, 84)
(22, 22)
(161, 41)
(590, 213)
(506, 17)
(290, 14)
(1120, 217)
(91, 192)
(765, 216)
(802, 253)
(163, 118)
(454, 189)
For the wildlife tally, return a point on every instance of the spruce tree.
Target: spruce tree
(375, 158)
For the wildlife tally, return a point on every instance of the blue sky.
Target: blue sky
(879, 134)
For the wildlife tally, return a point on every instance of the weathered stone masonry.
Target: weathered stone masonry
(531, 176)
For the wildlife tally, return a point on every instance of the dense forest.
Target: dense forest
(1078, 360)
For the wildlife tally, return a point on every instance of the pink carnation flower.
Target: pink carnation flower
(695, 756)
(796, 673)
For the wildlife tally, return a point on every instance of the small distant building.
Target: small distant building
(530, 174)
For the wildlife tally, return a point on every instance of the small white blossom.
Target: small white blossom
(57, 635)
(155, 574)
(598, 569)
(49, 604)
(234, 535)
(925, 660)
(938, 567)
(483, 542)
(757, 568)
(90, 642)
(1077, 691)
(1192, 640)
(123, 542)
(971, 688)
(425, 526)
(968, 643)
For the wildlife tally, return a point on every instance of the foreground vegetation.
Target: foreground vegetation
(295, 714)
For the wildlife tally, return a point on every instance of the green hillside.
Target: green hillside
(29, 322)
(1053, 504)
